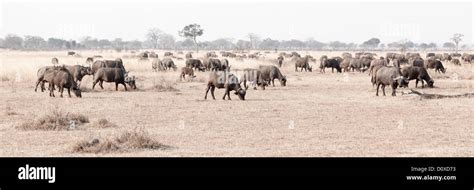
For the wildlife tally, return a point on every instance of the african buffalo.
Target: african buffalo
(222, 79)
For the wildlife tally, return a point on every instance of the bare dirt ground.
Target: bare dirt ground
(316, 114)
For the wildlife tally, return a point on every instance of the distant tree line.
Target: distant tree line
(156, 39)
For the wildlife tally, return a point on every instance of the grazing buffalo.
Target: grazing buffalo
(61, 78)
(41, 73)
(456, 61)
(76, 71)
(436, 65)
(270, 73)
(417, 73)
(71, 53)
(186, 71)
(143, 56)
(303, 63)
(222, 79)
(169, 63)
(389, 76)
(196, 64)
(157, 65)
(116, 75)
(254, 76)
(152, 55)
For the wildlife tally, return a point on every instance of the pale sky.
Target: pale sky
(281, 19)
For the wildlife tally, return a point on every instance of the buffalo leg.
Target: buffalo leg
(212, 92)
(61, 89)
(69, 92)
(125, 86)
(394, 92)
(416, 83)
(37, 83)
(51, 92)
(383, 89)
(378, 86)
(207, 90)
(100, 84)
(225, 93)
(93, 84)
(273, 82)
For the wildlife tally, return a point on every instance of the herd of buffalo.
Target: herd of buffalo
(394, 70)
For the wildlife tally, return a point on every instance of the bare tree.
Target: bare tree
(153, 36)
(456, 39)
(254, 40)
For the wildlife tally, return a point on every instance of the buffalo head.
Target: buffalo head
(130, 80)
(241, 93)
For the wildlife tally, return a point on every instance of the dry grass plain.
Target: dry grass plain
(314, 115)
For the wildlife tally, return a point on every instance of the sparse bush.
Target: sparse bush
(128, 140)
(164, 85)
(57, 120)
(4, 78)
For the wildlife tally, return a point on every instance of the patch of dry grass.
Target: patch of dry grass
(57, 120)
(9, 111)
(126, 141)
(103, 123)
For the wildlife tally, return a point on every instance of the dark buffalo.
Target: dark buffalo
(169, 63)
(117, 75)
(435, 64)
(61, 78)
(196, 64)
(417, 73)
(333, 63)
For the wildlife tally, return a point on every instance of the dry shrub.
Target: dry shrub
(164, 85)
(103, 123)
(128, 140)
(4, 78)
(57, 120)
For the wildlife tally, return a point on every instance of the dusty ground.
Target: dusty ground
(315, 115)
